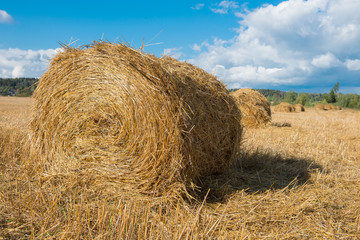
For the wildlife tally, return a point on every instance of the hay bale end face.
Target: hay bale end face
(284, 107)
(254, 107)
(120, 116)
(299, 108)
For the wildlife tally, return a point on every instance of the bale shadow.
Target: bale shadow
(257, 172)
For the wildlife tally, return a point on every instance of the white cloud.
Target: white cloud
(199, 47)
(198, 6)
(224, 6)
(173, 52)
(15, 62)
(296, 43)
(325, 61)
(353, 65)
(5, 17)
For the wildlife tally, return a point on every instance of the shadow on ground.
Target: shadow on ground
(258, 172)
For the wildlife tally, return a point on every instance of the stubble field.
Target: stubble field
(296, 179)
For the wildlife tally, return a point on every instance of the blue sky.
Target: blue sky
(288, 45)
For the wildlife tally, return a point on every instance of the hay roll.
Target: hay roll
(319, 106)
(332, 107)
(284, 107)
(328, 107)
(299, 108)
(117, 112)
(254, 107)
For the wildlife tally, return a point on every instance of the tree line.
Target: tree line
(310, 99)
(21, 87)
(24, 87)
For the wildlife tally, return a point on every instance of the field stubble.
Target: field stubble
(297, 182)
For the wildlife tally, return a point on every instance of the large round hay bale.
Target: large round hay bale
(117, 114)
(254, 107)
(284, 107)
(299, 108)
(319, 106)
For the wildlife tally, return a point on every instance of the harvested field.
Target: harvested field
(299, 179)
(254, 107)
(14, 111)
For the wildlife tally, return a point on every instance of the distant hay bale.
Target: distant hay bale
(254, 107)
(328, 107)
(332, 107)
(299, 108)
(284, 107)
(116, 114)
(319, 106)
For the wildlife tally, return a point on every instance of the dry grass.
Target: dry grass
(129, 123)
(284, 107)
(298, 182)
(14, 111)
(254, 107)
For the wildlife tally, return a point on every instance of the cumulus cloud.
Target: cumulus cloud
(224, 6)
(5, 17)
(325, 61)
(15, 62)
(198, 6)
(296, 43)
(353, 65)
(199, 47)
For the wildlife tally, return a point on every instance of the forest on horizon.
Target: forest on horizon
(24, 87)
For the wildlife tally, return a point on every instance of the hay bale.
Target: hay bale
(254, 107)
(299, 108)
(332, 107)
(319, 106)
(328, 107)
(284, 107)
(116, 114)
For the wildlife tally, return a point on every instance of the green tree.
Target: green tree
(302, 98)
(276, 99)
(336, 87)
(354, 101)
(332, 97)
(290, 97)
